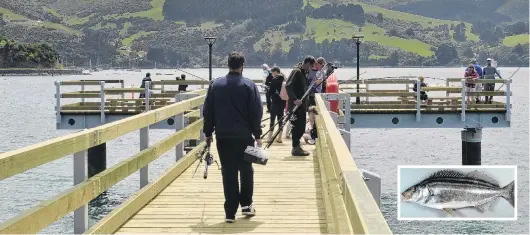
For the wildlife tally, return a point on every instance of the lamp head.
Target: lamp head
(358, 38)
(210, 40)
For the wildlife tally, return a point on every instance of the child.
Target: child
(309, 135)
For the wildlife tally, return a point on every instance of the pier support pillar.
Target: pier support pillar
(471, 146)
(97, 159)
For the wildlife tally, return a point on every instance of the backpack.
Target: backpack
(283, 92)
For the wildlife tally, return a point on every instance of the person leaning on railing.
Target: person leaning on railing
(470, 75)
(423, 94)
(489, 73)
(146, 79)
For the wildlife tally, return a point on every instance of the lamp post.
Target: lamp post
(210, 41)
(358, 39)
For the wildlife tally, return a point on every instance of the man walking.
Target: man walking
(489, 73)
(233, 109)
(296, 86)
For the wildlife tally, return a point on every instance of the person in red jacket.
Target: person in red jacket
(470, 75)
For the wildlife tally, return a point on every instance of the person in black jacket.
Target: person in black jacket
(296, 86)
(234, 110)
(146, 79)
(277, 104)
(182, 87)
(267, 84)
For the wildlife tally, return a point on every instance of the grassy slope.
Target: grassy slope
(155, 13)
(339, 29)
(512, 41)
(31, 23)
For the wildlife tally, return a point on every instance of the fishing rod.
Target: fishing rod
(191, 74)
(510, 77)
(207, 157)
(329, 71)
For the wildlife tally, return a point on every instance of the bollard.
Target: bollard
(471, 146)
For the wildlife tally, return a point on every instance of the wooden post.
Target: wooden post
(80, 175)
(471, 146)
(102, 102)
(508, 104)
(464, 102)
(418, 100)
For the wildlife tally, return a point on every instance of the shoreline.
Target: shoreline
(39, 72)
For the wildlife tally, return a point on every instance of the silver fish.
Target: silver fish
(450, 190)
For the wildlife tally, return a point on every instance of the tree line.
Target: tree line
(20, 55)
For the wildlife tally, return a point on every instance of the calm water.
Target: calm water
(27, 108)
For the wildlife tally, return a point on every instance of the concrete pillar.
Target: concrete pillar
(471, 146)
(97, 159)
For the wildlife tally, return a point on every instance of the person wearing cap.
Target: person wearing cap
(146, 79)
(267, 82)
(489, 73)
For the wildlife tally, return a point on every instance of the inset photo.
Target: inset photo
(457, 192)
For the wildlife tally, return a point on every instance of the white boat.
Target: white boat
(86, 72)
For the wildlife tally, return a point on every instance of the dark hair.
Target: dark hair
(235, 60)
(275, 69)
(183, 76)
(148, 74)
(309, 60)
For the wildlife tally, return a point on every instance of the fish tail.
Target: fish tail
(509, 193)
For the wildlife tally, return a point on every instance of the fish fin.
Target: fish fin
(481, 176)
(447, 173)
(449, 211)
(509, 193)
(486, 206)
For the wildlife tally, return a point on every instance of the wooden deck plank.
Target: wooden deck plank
(287, 196)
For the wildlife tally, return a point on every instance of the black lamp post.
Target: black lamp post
(210, 41)
(358, 39)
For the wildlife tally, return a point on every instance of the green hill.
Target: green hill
(170, 31)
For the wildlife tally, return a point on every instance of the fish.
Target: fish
(450, 190)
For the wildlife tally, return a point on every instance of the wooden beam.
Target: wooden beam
(484, 81)
(378, 81)
(87, 82)
(380, 94)
(194, 113)
(23, 159)
(110, 223)
(35, 219)
(364, 214)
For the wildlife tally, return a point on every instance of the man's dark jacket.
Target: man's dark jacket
(296, 86)
(233, 108)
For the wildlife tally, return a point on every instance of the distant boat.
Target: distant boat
(86, 72)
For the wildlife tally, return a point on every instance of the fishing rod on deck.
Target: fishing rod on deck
(312, 87)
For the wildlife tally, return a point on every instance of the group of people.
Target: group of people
(307, 73)
(474, 72)
(147, 78)
(234, 110)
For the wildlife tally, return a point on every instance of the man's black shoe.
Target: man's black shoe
(248, 210)
(298, 151)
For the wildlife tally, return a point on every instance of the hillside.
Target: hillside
(169, 32)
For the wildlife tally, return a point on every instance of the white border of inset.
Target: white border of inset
(455, 167)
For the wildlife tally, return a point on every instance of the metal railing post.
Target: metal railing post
(508, 99)
(418, 100)
(179, 125)
(102, 102)
(80, 175)
(144, 141)
(347, 112)
(463, 114)
(58, 101)
(123, 86)
(82, 91)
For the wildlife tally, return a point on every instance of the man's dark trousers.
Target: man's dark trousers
(269, 100)
(298, 125)
(231, 153)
